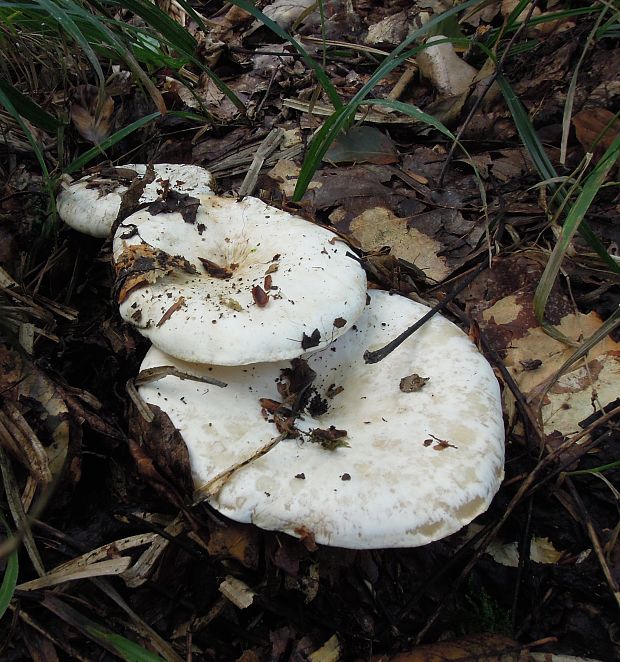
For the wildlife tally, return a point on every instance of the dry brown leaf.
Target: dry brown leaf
(362, 144)
(379, 227)
(37, 434)
(140, 265)
(594, 124)
(488, 647)
(533, 357)
(92, 120)
(237, 541)
(164, 445)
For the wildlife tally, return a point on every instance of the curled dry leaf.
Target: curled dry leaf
(596, 128)
(34, 419)
(92, 119)
(141, 264)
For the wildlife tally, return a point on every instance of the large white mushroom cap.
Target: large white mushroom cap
(424, 457)
(242, 282)
(91, 204)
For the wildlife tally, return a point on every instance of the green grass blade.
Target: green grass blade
(343, 116)
(322, 77)
(88, 156)
(9, 580)
(544, 166)
(114, 643)
(66, 22)
(111, 38)
(574, 218)
(572, 87)
(412, 111)
(526, 131)
(29, 109)
(177, 36)
(8, 104)
(179, 39)
(595, 470)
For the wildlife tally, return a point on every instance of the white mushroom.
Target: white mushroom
(91, 204)
(424, 431)
(449, 74)
(242, 282)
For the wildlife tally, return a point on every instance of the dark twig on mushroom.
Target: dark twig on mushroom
(380, 354)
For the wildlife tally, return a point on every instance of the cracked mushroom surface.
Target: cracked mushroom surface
(238, 283)
(91, 204)
(395, 454)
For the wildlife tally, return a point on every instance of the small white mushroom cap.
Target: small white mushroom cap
(310, 292)
(449, 74)
(420, 463)
(91, 204)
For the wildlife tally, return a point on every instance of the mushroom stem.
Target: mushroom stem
(380, 354)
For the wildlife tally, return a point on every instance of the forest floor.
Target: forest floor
(538, 573)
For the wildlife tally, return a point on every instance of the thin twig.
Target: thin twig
(594, 539)
(380, 354)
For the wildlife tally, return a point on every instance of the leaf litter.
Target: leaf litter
(104, 492)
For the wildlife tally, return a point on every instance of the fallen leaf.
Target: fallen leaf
(412, 383)
(141, 264)
(236, 541)
(473, 647)
(92, 120)
(379, 227)
(312, 340)
(596, 129)
(362, 144)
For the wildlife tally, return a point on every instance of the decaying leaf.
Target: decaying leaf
(473, 647)
(236, 541)
(412, 383)
(330, 438)
(312, 340)
(379, 227)
(533, 357)
(596, 128)
(362, 144)
(174, 202)
(34, 419)
(216, 270)
(92, 119)
(141, 264)
(162, 458)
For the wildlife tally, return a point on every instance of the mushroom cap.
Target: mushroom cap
(91, 204)
(449, 74)
(420, 465)
(285, 285)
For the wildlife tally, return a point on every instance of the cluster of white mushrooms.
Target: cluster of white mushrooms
(304, 437)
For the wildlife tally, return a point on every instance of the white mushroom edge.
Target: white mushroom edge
(91, 204)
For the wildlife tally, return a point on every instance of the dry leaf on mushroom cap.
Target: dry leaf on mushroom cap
(417, 465)
(91, 204)
(244, 282)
